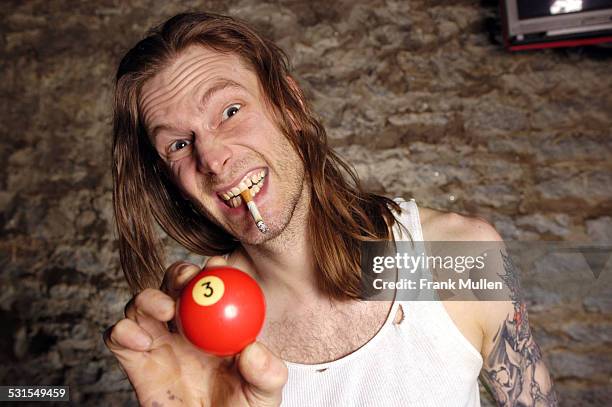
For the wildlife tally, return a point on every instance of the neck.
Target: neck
(284, 265)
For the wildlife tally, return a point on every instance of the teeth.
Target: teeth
(254, 183)
(235, 201)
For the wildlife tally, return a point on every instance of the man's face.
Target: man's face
(206, 117)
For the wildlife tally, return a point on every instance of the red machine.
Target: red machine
(530, 24)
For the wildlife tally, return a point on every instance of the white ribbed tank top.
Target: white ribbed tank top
(423, 361)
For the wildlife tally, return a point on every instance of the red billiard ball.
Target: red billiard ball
(221, 310)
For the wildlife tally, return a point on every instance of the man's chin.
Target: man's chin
(254, 237)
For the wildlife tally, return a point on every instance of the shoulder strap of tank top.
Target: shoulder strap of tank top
(409, 217)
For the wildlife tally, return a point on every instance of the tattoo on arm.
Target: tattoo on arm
(514, 370)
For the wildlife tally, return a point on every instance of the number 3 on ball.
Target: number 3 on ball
(208, 290)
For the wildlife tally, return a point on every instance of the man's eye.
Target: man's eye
(230, 111)
(179, 145)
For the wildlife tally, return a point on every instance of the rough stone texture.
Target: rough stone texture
(419, 96)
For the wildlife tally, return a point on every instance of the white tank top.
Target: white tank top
(423, 361)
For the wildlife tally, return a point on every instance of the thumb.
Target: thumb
(264, 373)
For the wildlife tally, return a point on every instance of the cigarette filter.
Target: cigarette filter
(248, 198)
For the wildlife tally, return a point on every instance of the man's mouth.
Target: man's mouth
(253, 181)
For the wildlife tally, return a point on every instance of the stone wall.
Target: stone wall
(419, 96)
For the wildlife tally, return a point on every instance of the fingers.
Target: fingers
(180, 273)
(127, 334)
(147, 313)
(264, 373)
(177, 276)
(152, 303)
(155, 304)
(151, 309)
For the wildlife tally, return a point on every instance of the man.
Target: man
(205, 107)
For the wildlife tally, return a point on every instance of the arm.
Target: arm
(513, 370)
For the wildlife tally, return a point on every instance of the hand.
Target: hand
(164, 368)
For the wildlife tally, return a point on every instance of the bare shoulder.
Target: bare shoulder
(471, 317)
(513, 367)
(451, 226)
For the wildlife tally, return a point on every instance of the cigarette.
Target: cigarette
(248, 198)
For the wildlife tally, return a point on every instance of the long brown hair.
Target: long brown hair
(342, 215)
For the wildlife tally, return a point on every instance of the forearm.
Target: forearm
(515, 372)
(514, 369)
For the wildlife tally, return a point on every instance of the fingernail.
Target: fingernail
(183, 274)
(167, 305)
(143, 341)
(183, 269)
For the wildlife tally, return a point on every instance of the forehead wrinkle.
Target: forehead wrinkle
(185, 82)
(179, 76)
(190, 64)
(218, 85)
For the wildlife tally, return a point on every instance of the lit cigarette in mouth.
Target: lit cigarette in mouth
(246, 196)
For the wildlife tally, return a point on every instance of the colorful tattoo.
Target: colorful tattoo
(514, 371)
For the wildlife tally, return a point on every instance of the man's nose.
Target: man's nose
(212, 156)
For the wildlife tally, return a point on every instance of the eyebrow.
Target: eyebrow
(217, 87)
(204, 101)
